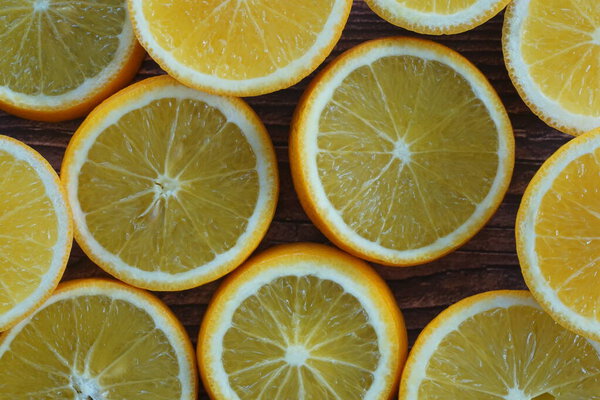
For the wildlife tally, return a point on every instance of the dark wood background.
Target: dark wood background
(487, 262)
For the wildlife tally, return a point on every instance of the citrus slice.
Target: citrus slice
(552, 52)
(170, 187)
(35, 231)
(400, 151)
(500, 346)
(98, 339)
(241, 48)
(302, 321)
(434, 17)
(557, 235)
(61, 58)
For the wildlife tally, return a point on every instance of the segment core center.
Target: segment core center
(41, 5)
(596, 37)
(86, 388)
(402, 151)
(166, 186)
(296, 355)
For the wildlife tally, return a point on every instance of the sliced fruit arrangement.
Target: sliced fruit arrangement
(242, 48)
(500, 345)
(35, 231)
(436, 17)
(62, 58)
(552, 52)
(557, 235)
(98, 339)
(170, 187)
(401, 151)
(302, 321)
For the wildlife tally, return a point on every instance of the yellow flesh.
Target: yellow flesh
(28, 231)
(51, 47)
(567, 242)
(517, 352)
(438, 6)
(108, 345)
(169, 186)
(561, 45)
(294, 316)
(234, 39)
(406, 151)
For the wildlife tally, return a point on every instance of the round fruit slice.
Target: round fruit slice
(35, 231)
(552, 52)
(61, 58)
(557, 235)
(170, 187)
(302, 321)
(241, 48)
(98, 339)
(500, 346)
(436, 17)
(401, 151)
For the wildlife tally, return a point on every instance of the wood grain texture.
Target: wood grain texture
(487, 262)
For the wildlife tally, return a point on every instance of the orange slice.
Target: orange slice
(401, 151)
(557, 235)
(436, 17)
(552, 52)
(35, 231)
(98, 339)
(170, 187)
(500, 346)
(62, 58)
(302, 321)
(240, 48)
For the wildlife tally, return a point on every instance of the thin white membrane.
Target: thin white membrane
(301, 268)
(309, 143)
(551, 108)
(466, 16)
(265, 178)
(527, 228)
(287, 73)
(450, 324)
(62, 241)
(127, 295)
(90, 86)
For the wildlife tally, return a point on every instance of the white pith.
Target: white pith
(49, 279)
(359, 290)
(327, 211)
(551, 108)
(539, 283)
(288, 73)
(41, 5)
(596, 37)
(264, 170)
(466, 16)
(425, 348)
(88, 383)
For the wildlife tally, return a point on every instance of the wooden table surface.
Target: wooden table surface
(487, 262)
